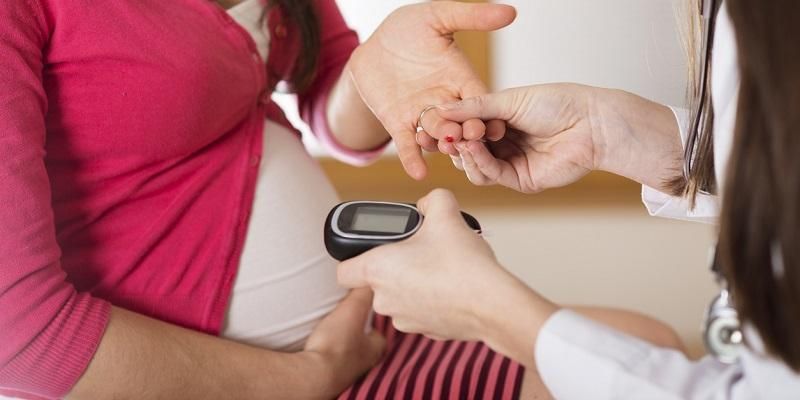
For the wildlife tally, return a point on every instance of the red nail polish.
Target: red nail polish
(449, 139)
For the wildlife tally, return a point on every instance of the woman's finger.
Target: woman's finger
(473, 129)
(376, 346)
(426, 141)
(440, 128)
(410, 153)
(356, 306)
(447, 148)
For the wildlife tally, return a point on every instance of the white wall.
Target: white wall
(627, 44)
(365, 15)
(617, 257)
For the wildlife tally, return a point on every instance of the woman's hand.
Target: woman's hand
(445, 282)
(411, 62)
(141, 358)
(340, 345)
(561, 132)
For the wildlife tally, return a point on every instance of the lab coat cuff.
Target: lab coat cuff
(660, 204)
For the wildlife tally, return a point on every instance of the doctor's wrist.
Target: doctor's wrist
(510, 319)
(634, 137)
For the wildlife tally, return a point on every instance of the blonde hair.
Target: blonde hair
(699, 140)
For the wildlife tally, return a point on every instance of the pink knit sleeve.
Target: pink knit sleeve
(338, 42)
(48, 331)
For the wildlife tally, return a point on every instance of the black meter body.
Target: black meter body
(357, 226)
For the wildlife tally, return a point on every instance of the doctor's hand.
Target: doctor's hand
(412, 62)
(560, 132)
(445, 281)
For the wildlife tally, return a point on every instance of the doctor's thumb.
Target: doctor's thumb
(492, 106)
(440, 205)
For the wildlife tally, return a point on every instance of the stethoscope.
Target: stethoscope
(722, 333)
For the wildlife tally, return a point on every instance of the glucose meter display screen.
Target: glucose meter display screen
(381, 219)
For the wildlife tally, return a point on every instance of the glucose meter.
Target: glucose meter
(357, 226)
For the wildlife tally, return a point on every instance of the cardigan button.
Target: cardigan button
(264, 98)
(280, 31)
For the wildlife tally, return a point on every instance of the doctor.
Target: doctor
(736, 160)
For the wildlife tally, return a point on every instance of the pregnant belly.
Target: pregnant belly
(286, 281)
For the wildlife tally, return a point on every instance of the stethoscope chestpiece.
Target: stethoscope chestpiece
(723, 331)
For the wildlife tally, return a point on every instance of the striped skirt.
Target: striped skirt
(416, 367)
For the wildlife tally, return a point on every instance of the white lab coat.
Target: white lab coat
(580, 359)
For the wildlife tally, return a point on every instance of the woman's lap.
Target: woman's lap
(416, 367)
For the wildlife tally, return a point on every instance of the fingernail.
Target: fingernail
(449, 139)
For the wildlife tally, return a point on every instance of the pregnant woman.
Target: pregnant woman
(159, 218)
(138, 180)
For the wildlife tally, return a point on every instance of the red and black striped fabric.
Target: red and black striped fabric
(418, 368)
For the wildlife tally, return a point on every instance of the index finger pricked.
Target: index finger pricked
(474, 129)
(440, 128)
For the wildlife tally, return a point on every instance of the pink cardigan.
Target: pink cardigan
(130, 135)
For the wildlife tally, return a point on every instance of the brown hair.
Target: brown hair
(303, 15)
(759, 241)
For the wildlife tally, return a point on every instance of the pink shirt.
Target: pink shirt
(130, 135)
